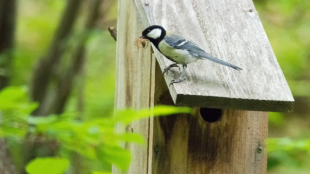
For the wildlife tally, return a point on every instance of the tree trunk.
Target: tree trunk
(7, 29)
(6, 163)
(44, 70)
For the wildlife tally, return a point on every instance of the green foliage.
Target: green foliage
(286, 23)
(14, 109)
(15, 99)
(101, 172)
(288, 152)
(95, 139)
(276, 119)
(122, 116)
(287, 144)
(47, 166)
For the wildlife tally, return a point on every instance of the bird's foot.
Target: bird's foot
(177, 80)
(170, 66)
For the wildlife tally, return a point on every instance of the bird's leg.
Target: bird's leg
(170, 66)
(180, 79)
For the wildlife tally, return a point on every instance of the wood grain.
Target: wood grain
(134, 81)
(185, 143)
(229, 30)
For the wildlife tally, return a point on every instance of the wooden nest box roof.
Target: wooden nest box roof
(230, 31)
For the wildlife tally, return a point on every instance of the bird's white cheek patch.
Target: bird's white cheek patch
(155, 33)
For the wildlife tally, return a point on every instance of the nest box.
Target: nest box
(229, 30)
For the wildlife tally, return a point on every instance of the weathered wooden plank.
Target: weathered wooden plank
(230, 30)
(134, 84)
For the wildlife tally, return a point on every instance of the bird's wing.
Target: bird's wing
(193, 49)
(174, 40)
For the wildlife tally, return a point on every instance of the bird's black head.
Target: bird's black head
(154, 34)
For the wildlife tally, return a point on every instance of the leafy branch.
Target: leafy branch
(94, 139)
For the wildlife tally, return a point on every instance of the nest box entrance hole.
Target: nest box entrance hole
(210, 114)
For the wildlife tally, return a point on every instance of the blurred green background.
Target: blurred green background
(286, 22)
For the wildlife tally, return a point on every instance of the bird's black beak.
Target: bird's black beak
(142, 37)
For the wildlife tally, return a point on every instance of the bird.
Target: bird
(178, 49)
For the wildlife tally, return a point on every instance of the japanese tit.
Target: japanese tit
(178, 49)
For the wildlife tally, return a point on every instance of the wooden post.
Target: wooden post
(186, 143)
(134, 79)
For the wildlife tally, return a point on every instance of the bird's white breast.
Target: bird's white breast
(178, 55)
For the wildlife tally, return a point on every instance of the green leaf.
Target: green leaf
(286, 144)
(13, 94)
(15, 98)
(47, 166)
(116, 155)
(131, 137)
(127, 116)
(96, 172)
(86, 151)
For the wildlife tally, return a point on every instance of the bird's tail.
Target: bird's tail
(209, 57)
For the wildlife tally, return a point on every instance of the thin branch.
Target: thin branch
(113, 32)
